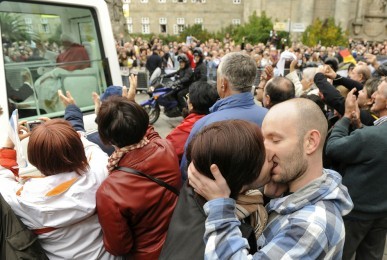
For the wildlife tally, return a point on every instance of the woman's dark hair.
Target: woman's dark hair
(55, 147)
(121, 122)
(202, 96)
(235, 146)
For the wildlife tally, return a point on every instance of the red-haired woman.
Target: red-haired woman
(59, 206)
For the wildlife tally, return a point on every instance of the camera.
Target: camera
(32, 124)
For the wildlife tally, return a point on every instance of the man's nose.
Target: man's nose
(269, 152)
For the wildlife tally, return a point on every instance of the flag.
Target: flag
(347, 56)
(14, 136)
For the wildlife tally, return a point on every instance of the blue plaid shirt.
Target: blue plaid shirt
(307, 224)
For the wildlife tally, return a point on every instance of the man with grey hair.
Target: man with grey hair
(235, 77)
(73, 53)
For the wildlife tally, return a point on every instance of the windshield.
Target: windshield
(47, 48)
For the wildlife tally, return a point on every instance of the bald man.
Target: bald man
(306, 222)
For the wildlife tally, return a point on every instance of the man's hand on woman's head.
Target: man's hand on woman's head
(206, 187)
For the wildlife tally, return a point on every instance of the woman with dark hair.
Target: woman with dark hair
(60, 206)
(134, 209)
(236, 147)
(200, 98)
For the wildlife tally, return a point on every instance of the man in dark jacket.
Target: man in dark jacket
(200, 72)
(154, 61)
(363, 150)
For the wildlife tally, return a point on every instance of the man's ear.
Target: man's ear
(267, 100)
(369, 102)
(312, 141)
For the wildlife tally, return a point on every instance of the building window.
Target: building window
(144, 1)
(45, 28)
(163, 24)
(28, 22)
(199, 1)
(145, 29)
(198, 20)
(237, 2)
(180, 24)
(145, 25)
(179, 1)
(162, 1)
(163, 28)
(129, 23)
(180, 21)
(236, 21)
(178, 28)
(126, 1)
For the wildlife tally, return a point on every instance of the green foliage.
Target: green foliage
(195, 30)
(256, 30)
(166, 38)
(325, 32)
(14, 28)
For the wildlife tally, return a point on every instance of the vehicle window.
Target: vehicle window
(47, 48)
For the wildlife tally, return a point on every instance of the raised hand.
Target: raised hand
(97, 101)
(66, 100)
(351, 105)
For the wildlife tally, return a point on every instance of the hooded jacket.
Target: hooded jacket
(179, 135)
(61, 208)
(306, 224)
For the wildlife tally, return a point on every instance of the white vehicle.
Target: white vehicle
(35, 37)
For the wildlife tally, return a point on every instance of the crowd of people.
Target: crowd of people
(134, 52)
(296, 172)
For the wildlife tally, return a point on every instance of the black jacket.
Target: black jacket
(334, 99)
(184, 77)
(186, 229)
(200, 72)
(154, 61)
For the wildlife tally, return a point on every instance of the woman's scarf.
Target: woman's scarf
(251, 204)
(120, 152)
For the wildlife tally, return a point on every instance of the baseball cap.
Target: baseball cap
(111, 91)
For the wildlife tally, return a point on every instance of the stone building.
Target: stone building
(364, 19)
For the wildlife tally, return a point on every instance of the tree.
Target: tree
(197, 31)
(256, 30)
(325, 32)
(14, 28)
